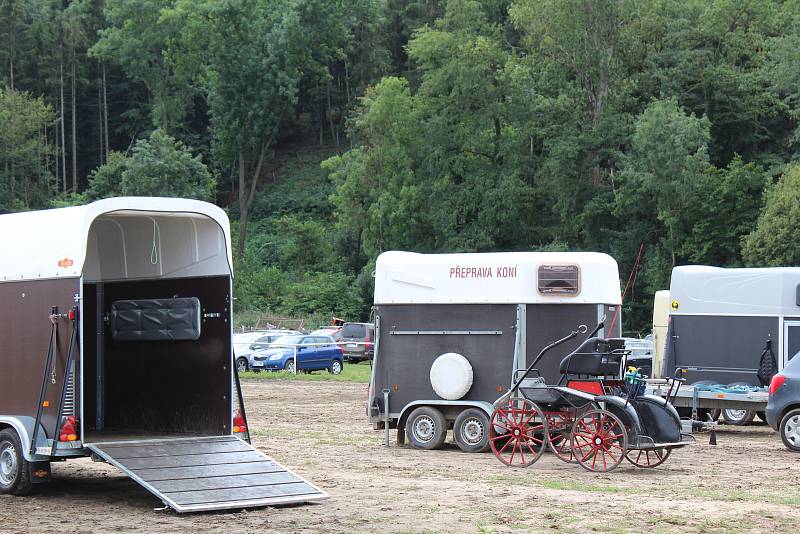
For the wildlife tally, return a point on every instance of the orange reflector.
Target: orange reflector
(236, 429)
(72, 437)
(720, 396)
(46, 404)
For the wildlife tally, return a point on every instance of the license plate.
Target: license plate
(352, 345)
(258, 364)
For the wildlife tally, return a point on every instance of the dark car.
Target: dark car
(358, 341)
(783, 407)
(314, 353)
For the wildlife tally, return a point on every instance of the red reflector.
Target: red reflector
(239, 425)
(592, 386)
(776, 382)
(70, 428)
(72, 314)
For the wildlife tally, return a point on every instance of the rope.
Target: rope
(628, 285)
(154, 250)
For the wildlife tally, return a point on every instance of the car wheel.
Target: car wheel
(242, 365)
(738, 417)
(14, 469)
(289, 367)
(426, 428)
(335, 368)
(471, 430)
(790, 430)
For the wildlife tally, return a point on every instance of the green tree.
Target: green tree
(774, 241)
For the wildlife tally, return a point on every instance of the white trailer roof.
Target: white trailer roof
(698, 289)
(113, 239)
(495, 278)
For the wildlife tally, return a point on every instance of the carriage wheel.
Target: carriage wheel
(599, 440)
(648, 457)
(518, 432)
(559, 427)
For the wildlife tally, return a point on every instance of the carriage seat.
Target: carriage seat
(595, 357)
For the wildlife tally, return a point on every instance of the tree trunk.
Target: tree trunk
(100, 119)
(74, 133)
(105, 109)
(63, 134)
(248, 194)
(334, 133)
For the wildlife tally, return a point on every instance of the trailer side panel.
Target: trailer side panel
(24, 338)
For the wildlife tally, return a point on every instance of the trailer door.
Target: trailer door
(207, 473)
(791, 341)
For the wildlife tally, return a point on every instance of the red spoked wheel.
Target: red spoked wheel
(518, 432)
(647, 458)
(599, 440)
(559, 428)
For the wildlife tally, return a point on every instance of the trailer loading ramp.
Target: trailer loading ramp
(207, 473)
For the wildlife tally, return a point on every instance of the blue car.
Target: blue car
(314, 353)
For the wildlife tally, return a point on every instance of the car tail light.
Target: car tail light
(776, 382)
(70, 428)
(239, 425)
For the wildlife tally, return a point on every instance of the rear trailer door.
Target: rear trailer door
(207, 473)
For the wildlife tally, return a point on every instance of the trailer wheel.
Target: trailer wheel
(426, 428)
(15, 476)
(738, 417)
(242, 365)
(471, 430)
(790, 430)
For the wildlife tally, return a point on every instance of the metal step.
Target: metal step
(207, 473)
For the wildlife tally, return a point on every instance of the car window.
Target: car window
(288, 340)
(323, 340)
(354, 330)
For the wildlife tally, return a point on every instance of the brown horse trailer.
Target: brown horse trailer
(116, 344)
(453, 330)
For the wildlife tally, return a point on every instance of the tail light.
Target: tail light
(70, 427)
(239, 425)
(776, 382)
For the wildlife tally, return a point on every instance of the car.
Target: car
(783, 404)
(641, 354)
(334, 331)
(268, 336)
(358, 341)
(245, 343)
(312, 353)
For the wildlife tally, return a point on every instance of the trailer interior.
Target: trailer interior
(155, 340)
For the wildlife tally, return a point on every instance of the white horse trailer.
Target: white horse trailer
(453, 329)
(116, 343)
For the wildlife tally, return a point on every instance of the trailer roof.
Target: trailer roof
(703, 290)
(54, 243)
(497, 278)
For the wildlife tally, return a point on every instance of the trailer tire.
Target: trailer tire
(471, 430)
(790, 430)
(242, 365)
(738, 417)
(426, 428)
(15, 474)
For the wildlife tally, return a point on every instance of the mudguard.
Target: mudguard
(659, 419)
(625, 411)
(23, 425)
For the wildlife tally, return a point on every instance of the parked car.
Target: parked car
(783, 405)
(641, 355)
(262, 342)
(334, 331)
(358, 341)
(241, 347)
(314, 353)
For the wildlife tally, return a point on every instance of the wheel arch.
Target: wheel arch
(446, 407)
(23, 426)
(786, 409)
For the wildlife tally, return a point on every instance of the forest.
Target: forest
(663, 132)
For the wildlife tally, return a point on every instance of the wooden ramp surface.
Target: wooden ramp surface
(207, 473)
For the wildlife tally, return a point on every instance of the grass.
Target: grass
(352, 372)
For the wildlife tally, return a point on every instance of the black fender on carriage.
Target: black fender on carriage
(626, 413)
(658, 418)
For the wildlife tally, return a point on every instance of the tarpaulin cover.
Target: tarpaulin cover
(175, 319)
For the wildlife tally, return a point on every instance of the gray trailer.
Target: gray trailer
(724, 324)
(452, 330)
(116, 336)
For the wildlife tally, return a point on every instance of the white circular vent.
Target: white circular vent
(451, 376)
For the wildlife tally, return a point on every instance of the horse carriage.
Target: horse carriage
(596, 415)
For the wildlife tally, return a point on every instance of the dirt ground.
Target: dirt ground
(747, 483)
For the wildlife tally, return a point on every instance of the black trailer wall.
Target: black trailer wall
(165, 386)
(719, 349)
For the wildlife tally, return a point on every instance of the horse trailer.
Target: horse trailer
(452, 331)
(116, 344)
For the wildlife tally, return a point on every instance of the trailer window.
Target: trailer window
(559, 279)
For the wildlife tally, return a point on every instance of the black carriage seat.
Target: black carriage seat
(595, 357)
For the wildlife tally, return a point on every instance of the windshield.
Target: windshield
(287, 340)
(354, 330)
